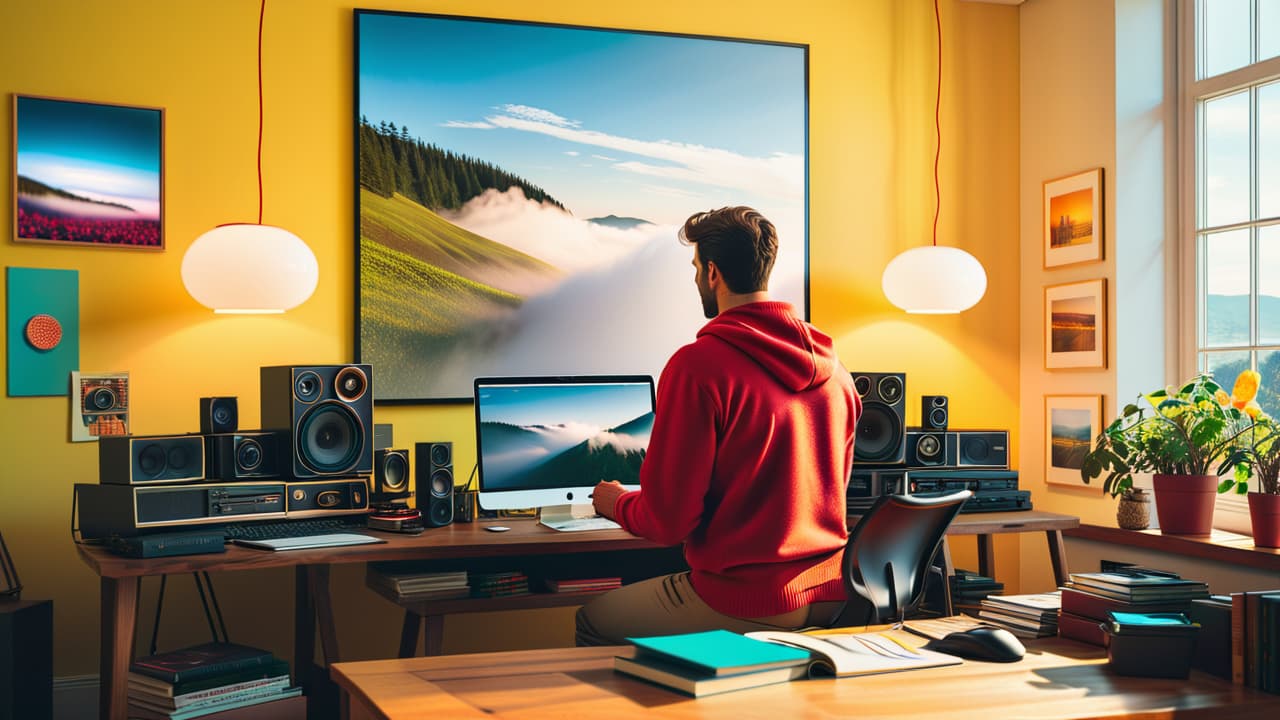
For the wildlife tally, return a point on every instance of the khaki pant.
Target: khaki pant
(667, 605)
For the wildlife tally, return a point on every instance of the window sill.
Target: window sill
(1220, 546)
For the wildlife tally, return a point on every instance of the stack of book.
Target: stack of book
(968, 589)
(498, 584)
(578, 585)
(712, 662)
(406, 584)
(1088, 598)
(1255, 639)
(206, 679)
(1027, 616)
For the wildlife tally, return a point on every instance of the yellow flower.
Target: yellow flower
(1253, 409)
(1246, 387)
(1222, 397)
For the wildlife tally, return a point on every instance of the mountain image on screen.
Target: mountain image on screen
(563, 455)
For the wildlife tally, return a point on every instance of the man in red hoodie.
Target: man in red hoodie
(751, 449)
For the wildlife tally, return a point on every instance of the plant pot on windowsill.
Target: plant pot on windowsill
(1134, 510)
(1184, 503)
(1264, 513)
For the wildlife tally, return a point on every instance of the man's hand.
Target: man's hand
(604, 497)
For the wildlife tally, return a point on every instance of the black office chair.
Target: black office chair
(891, 550)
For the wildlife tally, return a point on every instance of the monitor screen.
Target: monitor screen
(548, 440)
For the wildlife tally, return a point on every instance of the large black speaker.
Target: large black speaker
(26, 659)
(219, 415)
(325, 414)
(390, 475)
(433, 482)
(144, 459)
(881, 433)
(934, 412)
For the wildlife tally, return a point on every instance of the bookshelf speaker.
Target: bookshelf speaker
(433, 482)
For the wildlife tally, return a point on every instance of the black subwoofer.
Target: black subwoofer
(433, 483)
(881, 433)
(325, 416)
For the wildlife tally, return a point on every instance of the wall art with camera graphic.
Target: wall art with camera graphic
(99, 405)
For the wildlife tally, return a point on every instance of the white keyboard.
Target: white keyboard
(310, 541)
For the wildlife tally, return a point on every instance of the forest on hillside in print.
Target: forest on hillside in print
(521, 187)
(87, 173)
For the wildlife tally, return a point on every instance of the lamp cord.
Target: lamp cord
(262, 13)
(937, 129)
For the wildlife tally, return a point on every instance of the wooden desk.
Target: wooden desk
(460, 542)
(1057, 679)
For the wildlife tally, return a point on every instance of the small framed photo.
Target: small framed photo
(1075, 325)
(1071, 422)
(88, 174)
(1072, 221)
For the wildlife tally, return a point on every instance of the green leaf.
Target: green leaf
(1226, 484)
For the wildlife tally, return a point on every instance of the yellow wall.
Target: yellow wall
(871, 139)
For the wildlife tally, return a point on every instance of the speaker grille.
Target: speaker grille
(881, 433)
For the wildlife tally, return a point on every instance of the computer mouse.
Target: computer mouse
(981, 643)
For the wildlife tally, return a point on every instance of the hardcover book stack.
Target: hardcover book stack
(1255, 639)
(1027, 616)
(1088, 598)
(403, 583)
(498, 584)
(211, 678)
(712, 662)
(578, 585)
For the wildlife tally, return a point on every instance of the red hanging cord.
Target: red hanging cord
(937, 128)
(261, 16)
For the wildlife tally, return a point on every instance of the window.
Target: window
(1231, 91)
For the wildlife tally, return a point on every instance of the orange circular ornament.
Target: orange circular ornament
(44, 332)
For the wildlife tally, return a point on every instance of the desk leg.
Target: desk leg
(986, 556)
(119, 617)
(433, 640)
(409, 634)
(1058, 556)
(321, 600)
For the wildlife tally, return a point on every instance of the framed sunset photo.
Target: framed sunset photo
(1072, 223)
(88, 174)
(1075, 325)
(520, 187)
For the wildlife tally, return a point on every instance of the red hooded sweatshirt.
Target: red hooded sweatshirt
(751, 449)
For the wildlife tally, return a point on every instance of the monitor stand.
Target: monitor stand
(569, 518)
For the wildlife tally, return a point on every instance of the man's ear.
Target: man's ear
(713, 273)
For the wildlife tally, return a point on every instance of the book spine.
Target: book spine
(195, 673)
(1270, 621)
(1238, 638)
(206, 697)
(1253, 627)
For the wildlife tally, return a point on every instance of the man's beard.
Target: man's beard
(710, 307)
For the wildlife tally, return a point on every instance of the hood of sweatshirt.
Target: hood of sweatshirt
(796, 353)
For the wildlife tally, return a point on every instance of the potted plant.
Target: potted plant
(1263, 451)
(1187, 437)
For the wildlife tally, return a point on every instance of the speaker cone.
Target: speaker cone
(862, 384)
(152, 460)
(929, 449)
(890, 389)
(879, 434)
(329, 438)
(248, 455)
(441, 513)
(441, 482)
(350, 383)
(938, 417)
(395, 472)
(221, 414)
(440, 454)
(307, 387)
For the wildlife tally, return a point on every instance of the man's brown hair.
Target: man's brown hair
(739, 240)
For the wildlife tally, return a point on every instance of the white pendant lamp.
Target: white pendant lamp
(249, 268)
(935, 279)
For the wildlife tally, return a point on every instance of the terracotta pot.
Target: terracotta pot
(1184, 503)
(1264, 512)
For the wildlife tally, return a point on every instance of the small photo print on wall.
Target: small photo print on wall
(88, 174)
(1071, 423)
(1075, 325)
(99, 405)
(1073, 219)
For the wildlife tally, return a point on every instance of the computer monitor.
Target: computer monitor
(547, 441)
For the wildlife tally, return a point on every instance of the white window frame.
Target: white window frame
(1232, 511)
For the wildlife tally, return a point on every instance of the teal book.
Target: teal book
(719, 652)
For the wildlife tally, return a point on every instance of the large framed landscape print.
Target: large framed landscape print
(520, 188)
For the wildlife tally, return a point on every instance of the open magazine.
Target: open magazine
(862, 653)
